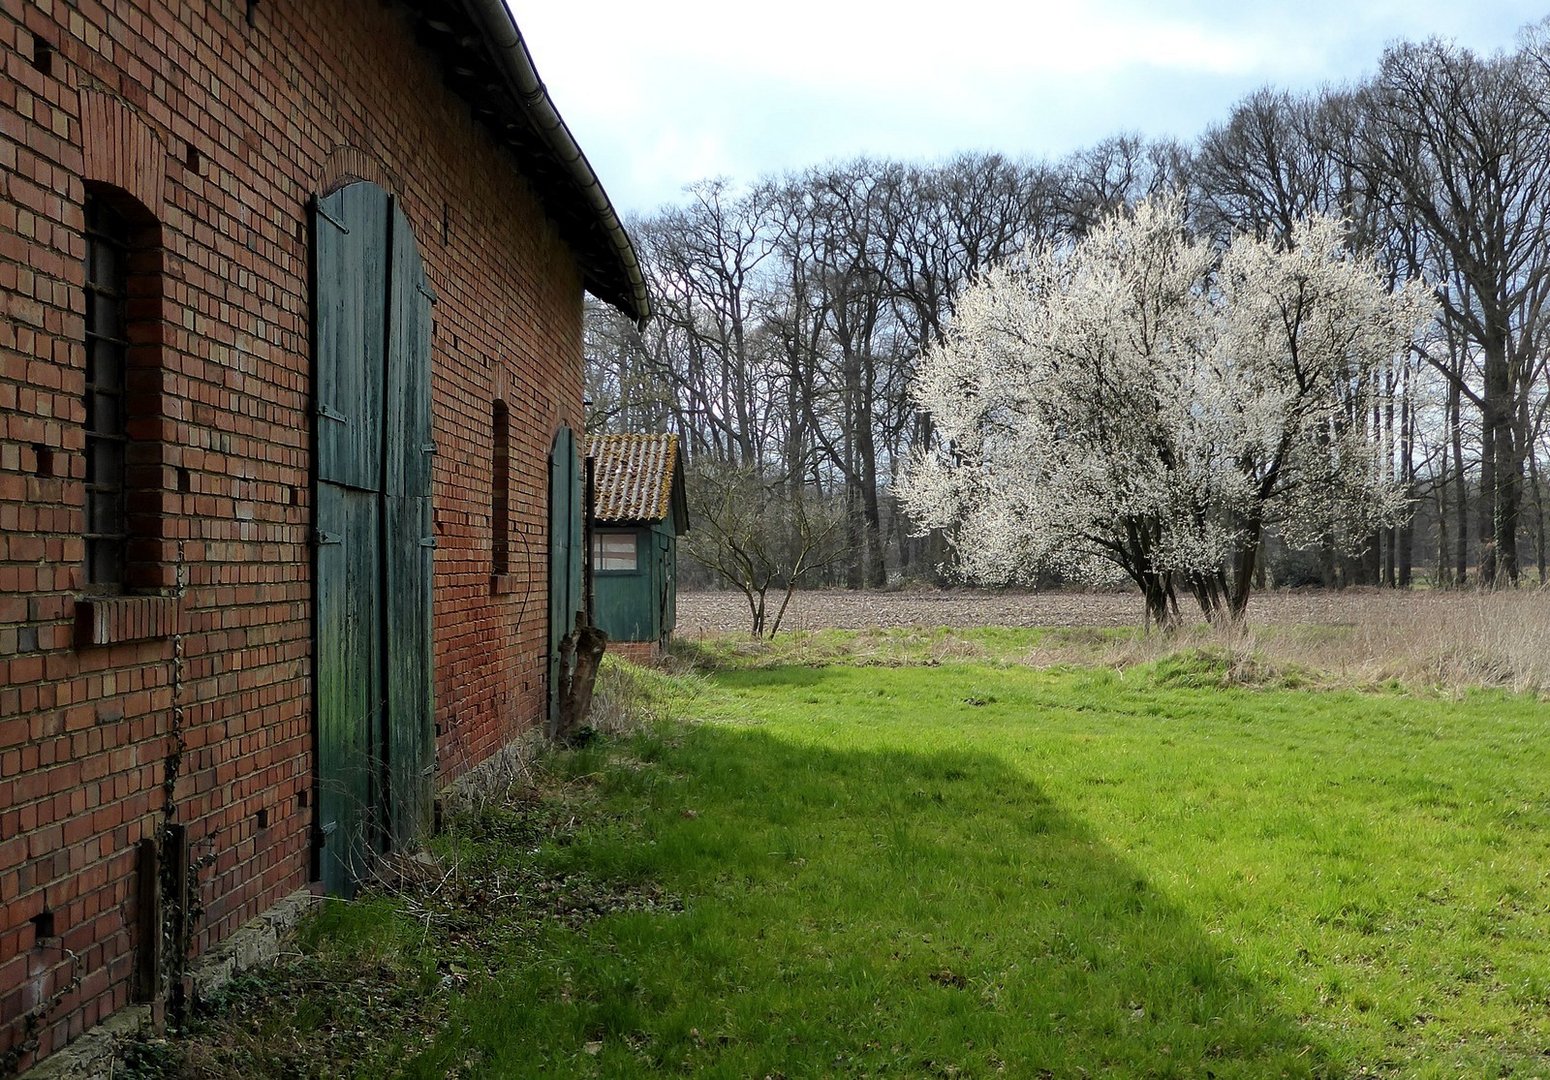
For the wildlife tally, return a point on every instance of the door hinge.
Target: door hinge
(329, 413)
(322, 537)
(427, 541)
(326, 216)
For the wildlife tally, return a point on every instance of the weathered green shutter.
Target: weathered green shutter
(667, 561)
(373, 702)
(349, 249)
(409, 542)
(565, 554)
(350, 297)
(349, 680)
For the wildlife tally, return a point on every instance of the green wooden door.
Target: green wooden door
(667, 546)
(565, 554)
(409, 554)
(373, 702)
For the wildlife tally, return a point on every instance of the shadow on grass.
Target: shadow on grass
(866, 913)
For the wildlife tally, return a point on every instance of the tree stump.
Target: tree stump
(581, 651)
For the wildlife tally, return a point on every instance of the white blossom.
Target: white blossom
(1139, 405)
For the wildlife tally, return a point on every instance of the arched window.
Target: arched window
(500, 490)
(123, 406)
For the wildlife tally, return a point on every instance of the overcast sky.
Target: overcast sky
(662, 94)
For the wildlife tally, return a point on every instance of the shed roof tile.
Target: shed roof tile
(633, 475)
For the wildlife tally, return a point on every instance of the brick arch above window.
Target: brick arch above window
(347, 164)
(120, 150)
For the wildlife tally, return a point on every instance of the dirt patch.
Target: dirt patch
(701, 613)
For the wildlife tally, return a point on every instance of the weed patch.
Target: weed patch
(1179, 866)
(372, 982)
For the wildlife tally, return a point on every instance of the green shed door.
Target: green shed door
(667, 544)
(565, 554)
(373, 701)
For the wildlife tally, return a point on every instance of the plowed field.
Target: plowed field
(702, 613)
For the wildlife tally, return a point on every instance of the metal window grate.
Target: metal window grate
(107, 347)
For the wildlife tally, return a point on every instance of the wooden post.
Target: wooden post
(175, 861)
(148, 924)
(583, 652)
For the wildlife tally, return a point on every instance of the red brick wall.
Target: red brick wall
(224, 130)
(636, 652)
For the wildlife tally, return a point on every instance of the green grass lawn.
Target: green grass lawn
(985, 869)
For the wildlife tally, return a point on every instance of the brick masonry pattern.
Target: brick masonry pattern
(225, 127)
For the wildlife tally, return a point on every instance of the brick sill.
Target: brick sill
(108, 620)
(503, 584)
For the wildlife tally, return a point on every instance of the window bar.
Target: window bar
(106, 532)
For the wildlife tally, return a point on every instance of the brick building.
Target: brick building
(290, 354)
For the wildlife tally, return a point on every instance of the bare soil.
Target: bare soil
(701, 613)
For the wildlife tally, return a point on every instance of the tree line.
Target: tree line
(792, 313)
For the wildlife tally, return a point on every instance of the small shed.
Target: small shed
(639, 511)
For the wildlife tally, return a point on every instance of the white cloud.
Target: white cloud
(663, 94)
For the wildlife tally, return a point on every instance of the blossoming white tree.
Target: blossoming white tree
(1140, 405)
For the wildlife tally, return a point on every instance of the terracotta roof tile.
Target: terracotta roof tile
(633, 476)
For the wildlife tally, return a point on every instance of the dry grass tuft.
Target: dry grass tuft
(628, 697)
(1441, 641)
(505, 776)
(1452, 641)
(1455, 641)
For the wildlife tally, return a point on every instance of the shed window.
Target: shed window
(613, 551)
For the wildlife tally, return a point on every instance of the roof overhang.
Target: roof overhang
(638, 480)
(487, 64)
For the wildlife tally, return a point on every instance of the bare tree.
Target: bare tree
(792, 313)
(706, 264)
(1464, 141)
(758, 531)
(1117, 172)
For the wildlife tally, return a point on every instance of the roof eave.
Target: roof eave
(625, 289)
(626, 523)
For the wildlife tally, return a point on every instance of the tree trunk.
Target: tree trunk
(1368, 567)
(1461, 509)
(876, 566)
(1390, 534)
(1162, 608)
(755, 598)
(1539, 515)
(1213, 595)
(1405, 539)
(581, 651)
(855, 527)
(1507, 500)
(869, 553)
(1444, 569)
(1246, 568)
(1485, 508)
